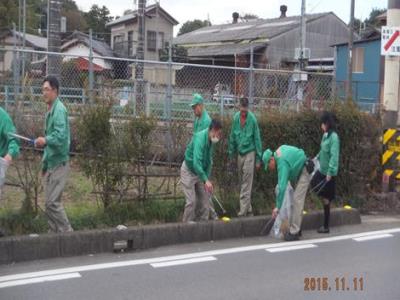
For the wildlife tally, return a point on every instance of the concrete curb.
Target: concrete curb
(24, 248)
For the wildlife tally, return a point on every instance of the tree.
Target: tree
(9, 14)
(75, 18)
(248, 16)
(96, 19)
(189, 26)
(370, 21)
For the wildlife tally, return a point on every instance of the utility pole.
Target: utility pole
(91, 75)
(299, 77)
(53, 37)
(23, 41)
(15, 60)
(390, 116)
(139, 70)
(19, 15)
(349, 86)
(302, 35)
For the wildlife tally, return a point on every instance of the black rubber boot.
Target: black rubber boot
(291, 237)
(327, 214)
(322, 229)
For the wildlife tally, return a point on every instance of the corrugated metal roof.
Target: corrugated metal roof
(35, 40)
(133, 15)
(99, 46)
(255, 29)
(225, 49)
(376, 38)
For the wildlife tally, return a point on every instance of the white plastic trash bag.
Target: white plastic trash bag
(3, 170)
(281, 224)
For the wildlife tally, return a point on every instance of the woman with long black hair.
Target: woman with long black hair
(323, 182)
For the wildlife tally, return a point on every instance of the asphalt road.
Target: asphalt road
(354, 262)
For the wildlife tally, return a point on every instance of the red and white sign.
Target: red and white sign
(390, 41)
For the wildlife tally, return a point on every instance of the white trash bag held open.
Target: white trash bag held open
(281, 224)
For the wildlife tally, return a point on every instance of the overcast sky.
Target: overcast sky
(220, 11)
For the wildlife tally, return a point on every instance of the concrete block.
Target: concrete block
(160, 235)
(252, 226)
(227, 230)
(198, 232)
(5, 251)
(25, 248)
(343, 216)
(83, 242)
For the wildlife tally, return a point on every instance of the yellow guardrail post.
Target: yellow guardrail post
(391, 159)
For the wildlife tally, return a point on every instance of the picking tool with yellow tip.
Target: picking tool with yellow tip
(224, 216)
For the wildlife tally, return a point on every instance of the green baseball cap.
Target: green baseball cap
(266, 157)
(197, 99)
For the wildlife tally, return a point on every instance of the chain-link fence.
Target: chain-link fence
(164, 89)
(131, 120)
(161, 89)
(366, 94)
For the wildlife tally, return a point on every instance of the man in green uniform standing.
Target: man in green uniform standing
(56, 144)
(202, 119)
(291, 165)
(196, 171)
(9, 146)
(246, 142)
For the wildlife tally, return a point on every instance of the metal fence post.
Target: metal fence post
(16, 62)
(147, 86)
(168, 104)
(334, 83)
(169, 87)
(91, 77)
(221, 99)
(6, 97)
(251, 75)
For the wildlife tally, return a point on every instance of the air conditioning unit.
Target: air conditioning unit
(306, 53)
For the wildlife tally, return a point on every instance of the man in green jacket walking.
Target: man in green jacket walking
(56, 143)
(291, 165)
(202, 119)
(196, 171)
(246, 142)
(9, 146)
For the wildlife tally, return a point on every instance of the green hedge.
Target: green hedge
(359, 154)
(358, 172)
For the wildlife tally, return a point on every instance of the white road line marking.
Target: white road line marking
(39, 280)
(93, 267)
(183, 262)
(291, 248)
(373, 237)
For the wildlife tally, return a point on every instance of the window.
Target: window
(2, 55)
(358, 60)
(117, 40)
(160, 40)
(151, 40)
